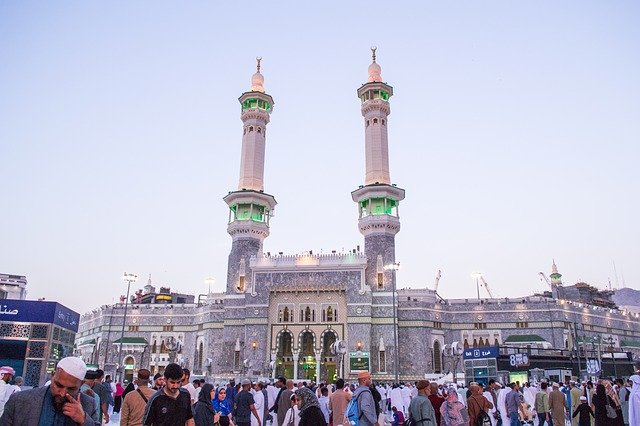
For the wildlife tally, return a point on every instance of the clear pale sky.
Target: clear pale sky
(514, 131)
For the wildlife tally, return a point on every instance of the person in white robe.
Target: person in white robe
(634, 401)
(258, 398)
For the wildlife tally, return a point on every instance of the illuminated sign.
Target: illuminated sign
(359, 361)
(479, 353)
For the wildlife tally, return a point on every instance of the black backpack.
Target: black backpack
(483, 418)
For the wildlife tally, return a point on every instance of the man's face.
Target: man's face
(6, 377)
(159, 382)
(63, 384)
(172, 387)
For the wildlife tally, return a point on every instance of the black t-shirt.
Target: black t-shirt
(162, 410)
(242, 402)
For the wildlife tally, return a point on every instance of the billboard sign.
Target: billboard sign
(38, 311)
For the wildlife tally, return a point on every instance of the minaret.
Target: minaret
(249, 206)
(377, 199)
(556, 280)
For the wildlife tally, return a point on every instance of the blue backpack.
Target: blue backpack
(353, 413)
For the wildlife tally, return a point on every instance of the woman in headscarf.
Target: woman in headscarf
(117, 397)
(310, 412)
(222, 406)
(203, 412)
(600, 402)
(453, 412)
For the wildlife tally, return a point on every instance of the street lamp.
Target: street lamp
(477, 276)
(394, 267)
(129, 278)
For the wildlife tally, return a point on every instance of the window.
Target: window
(437, 324)
(522, 325)
(380, 280)
(382, 361)
(240, 287)
(437, 357)
(480, 325)
(134, 328)
(167, 328)
(200, 354)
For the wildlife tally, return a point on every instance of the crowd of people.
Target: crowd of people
(78, 396)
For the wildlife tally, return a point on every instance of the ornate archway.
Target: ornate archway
(284, 354)
(328, 361)
(307, 357)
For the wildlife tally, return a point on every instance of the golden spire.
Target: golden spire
(258, 59)
(373, 53)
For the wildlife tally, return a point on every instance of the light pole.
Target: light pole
(129, 278)
(477, 276)
(394, 268)
(610, 343)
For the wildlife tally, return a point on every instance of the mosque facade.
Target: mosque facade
(322, 316)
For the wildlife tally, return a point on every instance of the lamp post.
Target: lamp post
(477, 276)
(129, 278)
(394, 268)
(610, 343)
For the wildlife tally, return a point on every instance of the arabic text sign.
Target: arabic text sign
(38, 311)
(478, 353)
(519, 360)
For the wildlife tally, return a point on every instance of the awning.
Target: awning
(132, 341)
(524, 338)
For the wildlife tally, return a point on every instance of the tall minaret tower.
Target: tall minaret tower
(556, 279)
(377, 199)
(249, 207)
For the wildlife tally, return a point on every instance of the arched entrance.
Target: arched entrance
(328, 365)
(129, 368)
(284, 354)
(307, 356)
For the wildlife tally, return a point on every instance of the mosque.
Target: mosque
(322, 316)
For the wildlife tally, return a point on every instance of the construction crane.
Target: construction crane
(438, 276)
(486, 286)
(546, 279)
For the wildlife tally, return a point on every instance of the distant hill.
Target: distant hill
(627, 297)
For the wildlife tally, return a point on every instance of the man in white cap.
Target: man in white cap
(6, 373)
(60, 403)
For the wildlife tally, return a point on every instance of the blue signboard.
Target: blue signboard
(38, 311)
(479, 353)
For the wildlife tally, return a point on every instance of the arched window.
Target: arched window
(495, 343)
(329, 314)
(383, 123)
(475, 343)
(466, 344)
(307, 314)
(153, 347)
(367, 123)
(437, 357)
(251, 128)
(481, 343)
(163, 348)
(285, 314)
(375, 121)
(200, 354)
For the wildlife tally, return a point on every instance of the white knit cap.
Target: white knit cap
(74, 366)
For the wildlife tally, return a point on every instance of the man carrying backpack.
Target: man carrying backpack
(421, 412)
(363, 400)
(478, 405)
